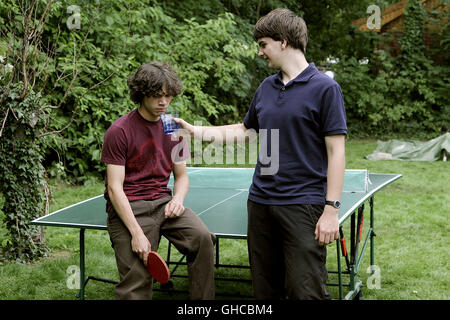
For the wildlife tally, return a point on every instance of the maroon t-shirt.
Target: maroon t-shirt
(146, 152)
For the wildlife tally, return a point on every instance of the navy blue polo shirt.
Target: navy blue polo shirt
(302, 113)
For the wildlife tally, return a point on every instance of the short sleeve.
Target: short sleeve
(332, 113)
(114, 149)
(251, 118)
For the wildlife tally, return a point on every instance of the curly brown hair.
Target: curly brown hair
(149, 79)
(283, 24)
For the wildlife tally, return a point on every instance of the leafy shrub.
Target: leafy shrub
(209, 57)
(403, 95)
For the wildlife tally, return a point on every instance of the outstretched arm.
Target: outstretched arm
(233, 133)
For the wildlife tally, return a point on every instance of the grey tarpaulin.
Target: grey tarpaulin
(432, 150)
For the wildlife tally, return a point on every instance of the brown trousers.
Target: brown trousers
(187, 233)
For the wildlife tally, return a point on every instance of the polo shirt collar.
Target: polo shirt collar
(304, 76)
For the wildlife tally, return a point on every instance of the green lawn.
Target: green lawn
(412, 243)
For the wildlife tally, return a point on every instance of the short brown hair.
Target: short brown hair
(283, 24)
(149, 79)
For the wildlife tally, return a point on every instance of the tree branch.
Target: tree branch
(4, 121)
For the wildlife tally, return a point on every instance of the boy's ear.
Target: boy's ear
(284, 44)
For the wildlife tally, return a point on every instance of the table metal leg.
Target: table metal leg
(169, 247)
(82, 277)
(372, 234)
(217, 253)
(339, 271)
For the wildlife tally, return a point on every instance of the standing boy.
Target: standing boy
(292, 213)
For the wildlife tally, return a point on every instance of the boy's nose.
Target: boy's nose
(163, 100)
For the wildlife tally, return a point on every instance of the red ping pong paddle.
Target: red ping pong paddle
(158, 267)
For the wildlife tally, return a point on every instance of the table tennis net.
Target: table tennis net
(356, 181)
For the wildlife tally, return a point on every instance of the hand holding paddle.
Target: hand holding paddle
(154, 263)
(141, 246)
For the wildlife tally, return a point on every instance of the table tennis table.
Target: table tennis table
(219, 197)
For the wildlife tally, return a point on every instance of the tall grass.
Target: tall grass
(411, 247)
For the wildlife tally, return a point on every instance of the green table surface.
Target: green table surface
(218, 196)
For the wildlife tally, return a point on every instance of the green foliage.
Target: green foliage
(210, 45)
(212, 50)
(398, 95)
(22, 181)
(210, 57)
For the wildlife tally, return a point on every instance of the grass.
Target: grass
(411, 248)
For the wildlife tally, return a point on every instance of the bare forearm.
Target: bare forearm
(336, 169)
(233, 133)
(181, 188)
(123, 209)
(335, 178)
